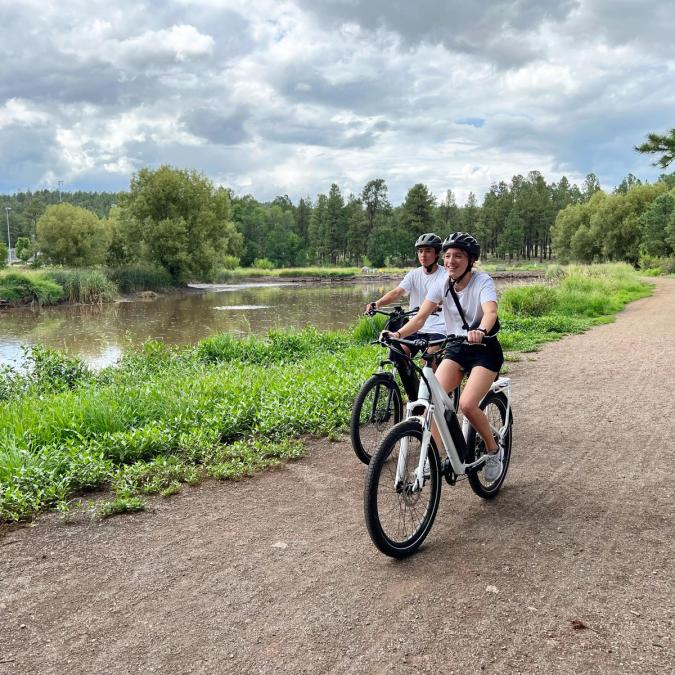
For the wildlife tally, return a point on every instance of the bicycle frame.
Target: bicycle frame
(396, 362)
(435, 403)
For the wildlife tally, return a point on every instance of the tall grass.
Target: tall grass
(85, 286)
(140, 277)
(579, 291)
(226, 407)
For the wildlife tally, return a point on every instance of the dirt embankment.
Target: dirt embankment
(367, 277)
(569, 570)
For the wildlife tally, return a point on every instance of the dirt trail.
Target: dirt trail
(277, 573)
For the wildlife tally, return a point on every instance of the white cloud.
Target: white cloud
(180, 42)
(288, 97)
(20, 113)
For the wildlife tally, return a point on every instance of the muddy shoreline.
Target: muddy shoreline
(191, 288)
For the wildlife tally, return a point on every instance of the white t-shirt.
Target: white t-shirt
(481, 288)
(417, 285)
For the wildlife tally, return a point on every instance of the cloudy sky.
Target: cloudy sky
(287, 96)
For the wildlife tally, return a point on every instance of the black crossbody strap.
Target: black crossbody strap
(451, 288)
(465, 326)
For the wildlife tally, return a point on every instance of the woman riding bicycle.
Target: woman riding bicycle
(469, 300)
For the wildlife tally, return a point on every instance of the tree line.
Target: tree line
(178, 220)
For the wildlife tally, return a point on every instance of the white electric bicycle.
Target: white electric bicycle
(403, 485)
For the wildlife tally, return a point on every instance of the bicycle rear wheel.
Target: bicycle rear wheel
(494, 405)
(377, 408)
(398, 516)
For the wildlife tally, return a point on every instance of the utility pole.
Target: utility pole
(9, 243)
(60, 183)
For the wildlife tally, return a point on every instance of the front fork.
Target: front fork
(419, 477)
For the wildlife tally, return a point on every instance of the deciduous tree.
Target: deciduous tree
(72, 236)
(183, 222)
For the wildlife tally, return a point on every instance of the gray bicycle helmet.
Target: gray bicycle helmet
(429, 239)
(464, 241)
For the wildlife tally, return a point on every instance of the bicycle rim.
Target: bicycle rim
(398, 516)
(377, 408)
(494, 406)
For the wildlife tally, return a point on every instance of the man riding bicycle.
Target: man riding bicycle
(469, 300)
(417, 283)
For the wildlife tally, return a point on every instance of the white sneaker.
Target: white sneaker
(493, 466)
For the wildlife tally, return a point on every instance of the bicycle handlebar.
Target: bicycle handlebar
(396, 310)
(423, 344)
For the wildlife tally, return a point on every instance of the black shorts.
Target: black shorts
(467, 356)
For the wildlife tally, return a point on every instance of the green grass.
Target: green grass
(26, 288)
(82, 286)
(52, 286)
(226, 408)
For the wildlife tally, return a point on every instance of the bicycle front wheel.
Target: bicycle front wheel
(398, 513)
(377, 408)
(494, 405)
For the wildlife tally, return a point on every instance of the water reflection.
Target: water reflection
(100, 334)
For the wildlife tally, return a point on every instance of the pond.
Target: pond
(100, 334)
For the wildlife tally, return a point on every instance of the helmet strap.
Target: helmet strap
(430, 268)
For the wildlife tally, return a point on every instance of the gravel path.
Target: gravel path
(277, 573)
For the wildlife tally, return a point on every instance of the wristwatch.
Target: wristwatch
(482, 330)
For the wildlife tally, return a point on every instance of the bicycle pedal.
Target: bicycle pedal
(449, 475)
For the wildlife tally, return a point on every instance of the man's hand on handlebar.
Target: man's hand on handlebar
(386, 334)
(370, 309)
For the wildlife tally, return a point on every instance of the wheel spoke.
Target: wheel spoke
(376, 409)
(495, 408)
(402, 514)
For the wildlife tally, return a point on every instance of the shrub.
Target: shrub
(24, 248)
(230, 262)
(654, 265)
(369, 327)
(263, 264)
(223, 276)
(653, 272)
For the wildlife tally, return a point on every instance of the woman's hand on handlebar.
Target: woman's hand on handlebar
(475, 336)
